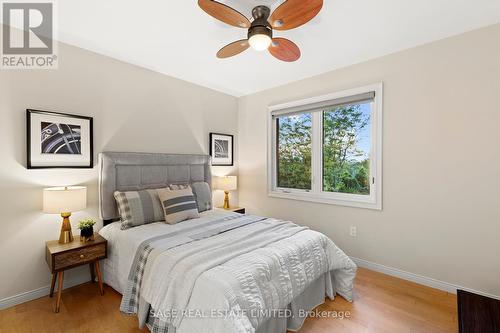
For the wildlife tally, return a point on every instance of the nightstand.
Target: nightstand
(240, 210)
(61, 257)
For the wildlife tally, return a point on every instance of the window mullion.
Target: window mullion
(274, 154)
(317, 156)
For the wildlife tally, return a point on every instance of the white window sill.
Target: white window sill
(349, 200)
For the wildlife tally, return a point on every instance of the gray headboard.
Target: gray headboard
(137, 171)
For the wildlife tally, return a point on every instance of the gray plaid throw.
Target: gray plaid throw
(131, 295)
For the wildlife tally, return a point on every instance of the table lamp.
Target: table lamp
(64, 201)
(226, 184)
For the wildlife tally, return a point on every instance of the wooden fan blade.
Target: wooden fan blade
(224, 13)
(233, 49)
(284, 49)
(294, 13)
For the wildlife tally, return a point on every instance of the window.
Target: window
(328, 149)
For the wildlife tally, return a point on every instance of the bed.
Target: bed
(222, 272)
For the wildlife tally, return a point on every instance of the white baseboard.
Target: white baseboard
(40, 292)
(420, 279)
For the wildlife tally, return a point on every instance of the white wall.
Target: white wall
(441, 215)
(134, 110)
(441, 160)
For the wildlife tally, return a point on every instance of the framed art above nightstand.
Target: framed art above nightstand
(221, 149)
(58, 140)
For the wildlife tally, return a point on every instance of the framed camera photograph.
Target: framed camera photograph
(221, 149)
(58, 140)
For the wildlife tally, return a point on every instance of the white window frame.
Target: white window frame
(316, 194)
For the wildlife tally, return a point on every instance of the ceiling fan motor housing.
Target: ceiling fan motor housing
(260, 24)
(260, 30)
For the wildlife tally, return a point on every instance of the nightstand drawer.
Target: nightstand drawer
(79, 257)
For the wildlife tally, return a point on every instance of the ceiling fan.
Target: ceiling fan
(289, 15)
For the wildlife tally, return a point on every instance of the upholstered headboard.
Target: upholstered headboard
(137, 171)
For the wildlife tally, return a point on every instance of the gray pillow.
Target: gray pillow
(203, 195)
(175, 187)
(138, 207)
(178, 205)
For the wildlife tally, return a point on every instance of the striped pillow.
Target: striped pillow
(201, 191)
(176, 187)
(178, 205)
(138, 207)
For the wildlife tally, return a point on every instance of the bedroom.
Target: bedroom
(420, 225)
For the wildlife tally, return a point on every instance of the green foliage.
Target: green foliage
(86, 223)
(345, 169)
(343, 172)
(294, 151)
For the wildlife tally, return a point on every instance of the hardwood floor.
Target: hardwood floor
(382, 304)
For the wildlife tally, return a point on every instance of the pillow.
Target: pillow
(138, 207)
(178, 186)
(178, 205)
(203, 196)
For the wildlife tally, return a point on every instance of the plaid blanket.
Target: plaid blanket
(131, 296)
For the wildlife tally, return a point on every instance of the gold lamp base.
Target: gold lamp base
(66, 235)
(226, 200)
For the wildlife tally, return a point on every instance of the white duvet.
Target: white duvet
(123, 244)
(260, 266)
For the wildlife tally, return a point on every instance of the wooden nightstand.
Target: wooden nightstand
(240, 210)
(61, 257)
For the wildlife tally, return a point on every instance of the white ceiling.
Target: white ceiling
(177, 38)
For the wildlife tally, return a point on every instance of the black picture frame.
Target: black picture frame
(230, 138)
(30, 165)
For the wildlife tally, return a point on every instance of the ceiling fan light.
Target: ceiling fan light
(260, 42)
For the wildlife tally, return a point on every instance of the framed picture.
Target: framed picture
(58, 140)
(221, 149)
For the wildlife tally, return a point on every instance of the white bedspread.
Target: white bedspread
(261, 266)
(123, 244)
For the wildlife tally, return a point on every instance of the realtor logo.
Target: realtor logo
(28, 35)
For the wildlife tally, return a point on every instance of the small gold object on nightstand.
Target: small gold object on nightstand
(61, 257)
(66, 234)
(64, 201)
(226, 184)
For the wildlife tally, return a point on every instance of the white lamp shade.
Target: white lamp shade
(227, 183)
(57, 200)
